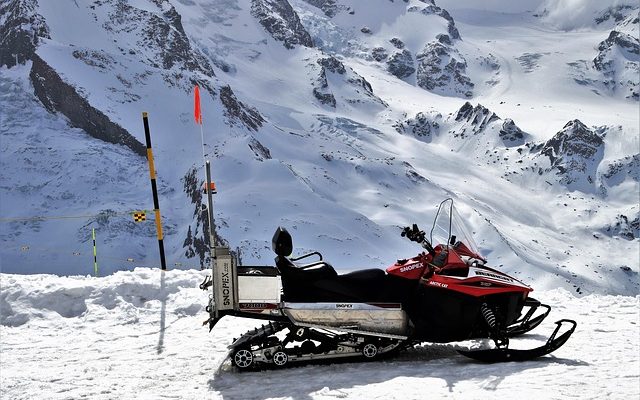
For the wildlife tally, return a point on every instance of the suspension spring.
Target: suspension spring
(488, 315)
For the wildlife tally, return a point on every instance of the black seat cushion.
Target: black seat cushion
(364, 286)
(304, 273)
(298, 283)
(364, 275)
(357, 286)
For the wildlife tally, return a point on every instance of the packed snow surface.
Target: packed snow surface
(138, 335)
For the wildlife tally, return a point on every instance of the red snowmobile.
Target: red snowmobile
(445, 294)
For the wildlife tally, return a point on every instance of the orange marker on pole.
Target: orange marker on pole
(197, 111)
(197, 114)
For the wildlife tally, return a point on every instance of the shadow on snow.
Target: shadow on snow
(438, 361)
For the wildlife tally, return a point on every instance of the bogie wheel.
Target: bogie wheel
(280, 358)
(370, 350)
(243, 359)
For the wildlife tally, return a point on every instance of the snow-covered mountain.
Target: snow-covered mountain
(339, 119)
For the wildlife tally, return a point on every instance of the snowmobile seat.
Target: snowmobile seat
(319, 282)
(297, 279)
(363, 285)
(363, 275)
(282, 245)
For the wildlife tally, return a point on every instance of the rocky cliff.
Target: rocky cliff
(282, 22)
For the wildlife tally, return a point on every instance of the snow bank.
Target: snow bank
(47, 297)
(139, 335)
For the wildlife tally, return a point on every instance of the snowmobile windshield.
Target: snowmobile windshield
(449, 228)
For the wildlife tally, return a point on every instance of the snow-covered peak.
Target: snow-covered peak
(281, 21)
(584, 14)
(342, 138)
(574, 139)
(574, 155)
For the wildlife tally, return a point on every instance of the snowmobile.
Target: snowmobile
(445, 294)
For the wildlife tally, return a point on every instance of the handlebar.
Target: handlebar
(416, 235)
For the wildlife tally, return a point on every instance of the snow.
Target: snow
(138, 335)
(576, 14)
(507, 7)
(342, 180)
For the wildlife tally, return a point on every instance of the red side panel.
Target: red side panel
(454, 260)
(462, 249)
(412, 268)
(474, 286)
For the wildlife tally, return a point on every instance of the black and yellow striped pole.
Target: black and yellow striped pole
(154, 189)
(95, 253)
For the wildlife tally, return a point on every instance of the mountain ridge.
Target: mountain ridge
(334, 131)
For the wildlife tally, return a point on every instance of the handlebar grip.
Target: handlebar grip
(414, 234)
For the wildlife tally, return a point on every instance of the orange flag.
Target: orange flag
(197, 112)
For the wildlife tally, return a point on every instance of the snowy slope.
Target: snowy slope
(138, 335)
(331, 141)
(48, 153)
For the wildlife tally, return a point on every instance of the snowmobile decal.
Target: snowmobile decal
(342, 306)
(494, 276)
(224, 281)
(257, 306)
(410, 267)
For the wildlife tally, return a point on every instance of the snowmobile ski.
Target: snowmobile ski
(506, 354)
(526, 323)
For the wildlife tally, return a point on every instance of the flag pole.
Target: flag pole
(209, 186)
(202, 144)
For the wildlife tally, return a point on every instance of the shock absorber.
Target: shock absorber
(489, 316)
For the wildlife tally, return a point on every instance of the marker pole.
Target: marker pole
(154, 189)
(95, 253)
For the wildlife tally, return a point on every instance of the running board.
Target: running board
(378, 319)
(504, 355)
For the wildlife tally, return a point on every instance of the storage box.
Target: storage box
(259, 284)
